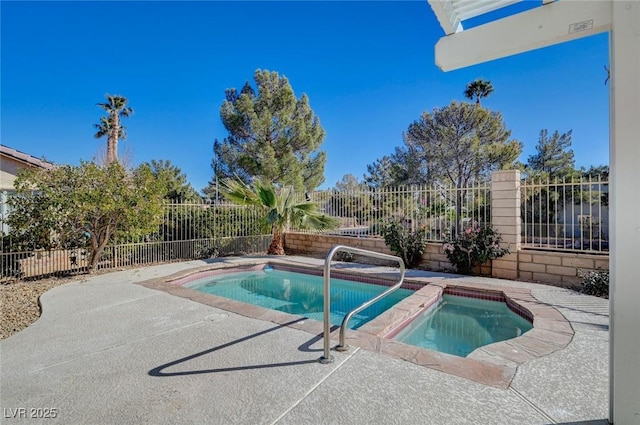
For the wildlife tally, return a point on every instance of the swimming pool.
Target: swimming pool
(299, 293)
(458, 325)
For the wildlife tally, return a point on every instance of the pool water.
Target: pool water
(301, 294)
(459, 325)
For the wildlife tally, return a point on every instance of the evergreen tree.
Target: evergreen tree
(600, 172)
(177, 188)
(399, 168)
(273, 136)
(348, 183)
(456, 145)
(380, 173)
(460, 144)
(554, 157)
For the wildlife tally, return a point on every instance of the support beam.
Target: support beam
(543, 26)
(471, 9)
(448, 19)
(624, 337)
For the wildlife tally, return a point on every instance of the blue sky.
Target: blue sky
(367, 67)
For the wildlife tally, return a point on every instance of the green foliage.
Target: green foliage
(600, 172)
(595, 282)
(553, 165)
(399, 168)
(407, 244)
(478, 89)
(554, 157)
(350, 200)
(83, 206)
(348, 183)
(461, 144)
(472, 247)
(456, 145)
(199, 221)
(380, 173)
(280, 209)
(174, 181)
(273, 136)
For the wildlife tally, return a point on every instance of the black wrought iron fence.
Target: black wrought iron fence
(187, 231)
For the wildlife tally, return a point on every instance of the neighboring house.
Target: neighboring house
(11, 162)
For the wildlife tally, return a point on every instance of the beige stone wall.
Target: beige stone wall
(306, 243)
(434, 257)
(557, 268)
(554, 268)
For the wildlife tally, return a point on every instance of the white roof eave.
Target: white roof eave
(451, 13)
(551, 23)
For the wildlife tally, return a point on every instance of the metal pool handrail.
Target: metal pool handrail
(327, 357)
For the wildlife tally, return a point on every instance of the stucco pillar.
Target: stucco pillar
(506, 220)
(624, 336)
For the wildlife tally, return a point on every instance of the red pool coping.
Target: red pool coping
(493, 364)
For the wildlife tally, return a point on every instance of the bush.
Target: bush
(474, 246)
(595, 282)
(346, 257)
(407, 244)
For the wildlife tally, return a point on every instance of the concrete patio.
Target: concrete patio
(107, 350)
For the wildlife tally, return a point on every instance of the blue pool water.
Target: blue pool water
(301, 294)
(459, 325)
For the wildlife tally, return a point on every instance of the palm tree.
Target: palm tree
(281, 209)
(116, 107)
(478, 89)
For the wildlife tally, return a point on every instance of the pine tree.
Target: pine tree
(273, 136)
(554, 157)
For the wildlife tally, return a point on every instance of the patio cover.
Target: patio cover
(553, 23)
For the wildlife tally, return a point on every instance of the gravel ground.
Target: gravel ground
(19, 303)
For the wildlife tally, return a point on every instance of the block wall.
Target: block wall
(553, 268)
(557, 268)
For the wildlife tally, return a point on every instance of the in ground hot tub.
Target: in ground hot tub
(458, 325)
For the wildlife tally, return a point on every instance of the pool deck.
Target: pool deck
(109, 350)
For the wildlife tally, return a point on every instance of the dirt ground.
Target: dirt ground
(19, 302)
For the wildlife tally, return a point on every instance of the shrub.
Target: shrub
(595, 282)
(346, 257)
(473, 246)
(407, 244)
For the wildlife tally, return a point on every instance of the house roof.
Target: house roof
(24, 157)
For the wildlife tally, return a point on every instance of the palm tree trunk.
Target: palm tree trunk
(112, 140)
(111, 157)
(277, 246)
